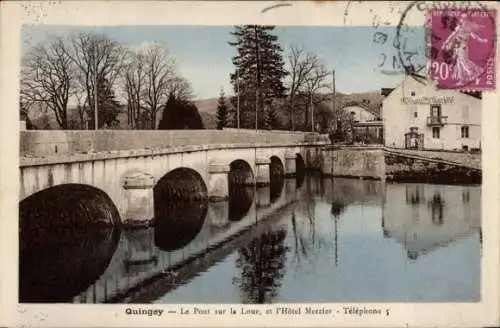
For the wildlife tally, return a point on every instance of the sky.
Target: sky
(204, 56)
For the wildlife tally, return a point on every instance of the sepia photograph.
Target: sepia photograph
(256, 163)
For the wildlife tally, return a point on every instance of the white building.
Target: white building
(360, 112)
(417, 115)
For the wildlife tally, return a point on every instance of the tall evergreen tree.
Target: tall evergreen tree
(108, 107)
(271, 119)
(259, 71)
(222, 112)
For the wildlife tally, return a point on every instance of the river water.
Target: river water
(316, 240)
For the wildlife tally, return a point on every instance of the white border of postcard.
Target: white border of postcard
(14, 14)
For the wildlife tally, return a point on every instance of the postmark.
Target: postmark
(417, 59)
(462, 48)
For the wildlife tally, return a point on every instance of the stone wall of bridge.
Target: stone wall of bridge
(363, 162)
(50, 143)
(129, 180)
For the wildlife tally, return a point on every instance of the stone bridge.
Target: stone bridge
(132, 179)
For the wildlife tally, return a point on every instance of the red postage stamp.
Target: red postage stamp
(463, 48)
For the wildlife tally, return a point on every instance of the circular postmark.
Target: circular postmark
(447, 53)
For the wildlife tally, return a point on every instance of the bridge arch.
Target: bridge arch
(180, 208)
(67, 237)
(240, 173)
(65, 209)
(181, 183)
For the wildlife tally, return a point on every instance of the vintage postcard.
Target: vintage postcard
(260, 163)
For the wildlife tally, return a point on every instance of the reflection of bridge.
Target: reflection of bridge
(145, 259)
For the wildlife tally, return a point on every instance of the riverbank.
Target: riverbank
(402, 165)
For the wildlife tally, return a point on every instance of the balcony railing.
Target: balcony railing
(437, 120)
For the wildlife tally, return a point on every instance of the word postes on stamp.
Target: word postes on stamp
(463, 48)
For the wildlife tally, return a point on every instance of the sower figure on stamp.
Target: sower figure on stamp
(464, 70)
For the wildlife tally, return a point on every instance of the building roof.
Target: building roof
(386, 91)
(370, 109)
(422, 79)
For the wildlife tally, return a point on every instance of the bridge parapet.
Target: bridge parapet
(64, 142)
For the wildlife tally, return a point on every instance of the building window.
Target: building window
(415, 114)
(465, 131)
(436, 110)
(436, 132)
(414, 129)
(412, 93)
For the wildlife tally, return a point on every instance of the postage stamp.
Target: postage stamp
(463, 48)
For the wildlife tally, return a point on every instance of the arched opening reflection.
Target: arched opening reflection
(277, 174)
(181, 206)
(240, 202)
(300, 168)
(67, 237)
(241, 191)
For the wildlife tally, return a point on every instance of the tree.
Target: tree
(315, 81)
(271, 118)
(262, 267)
(222, 111)
(159, 73)
(108, 107)
(180, 114)
(300, 66)
(47, 79)
(96, 57)
(150, 75)
(133, 84)
(259, 72)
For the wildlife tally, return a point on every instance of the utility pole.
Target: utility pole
(96, 124)
(312, 111)
(238, 97)
(333, 100)
(256, 107)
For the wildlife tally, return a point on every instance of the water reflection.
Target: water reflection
(358, 240)
(340, 234)
(414, 194)
(57, 273)
(139, 255)
(66, 241)
(178, 223)
(276, 188)
(300, 177)
(262, 267)
(437, 222)
(240, 201)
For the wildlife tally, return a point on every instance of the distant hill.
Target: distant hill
(374, 99)
(207, 105)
